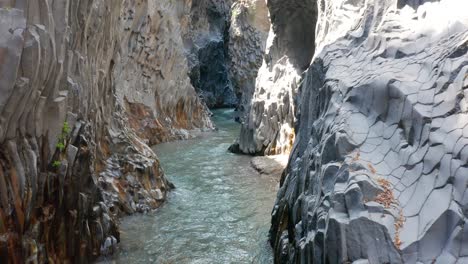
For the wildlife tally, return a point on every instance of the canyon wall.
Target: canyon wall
(206, 41)
(225, 42)
(84, 87)
(268, 126)
(378, 172)
(248, 33)
(151, 73)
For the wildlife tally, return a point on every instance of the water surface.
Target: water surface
(218, 213)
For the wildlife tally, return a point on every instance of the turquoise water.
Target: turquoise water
(218, 213)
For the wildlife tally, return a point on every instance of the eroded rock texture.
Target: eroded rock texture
(268, 126)
(378, 172)
(84, 85)
(206, 40)
(248, 33)
(151, 73)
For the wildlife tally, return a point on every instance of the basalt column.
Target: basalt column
(84, 85)
(378, 171)
(206, 41)
(268, 127)
(248, 33)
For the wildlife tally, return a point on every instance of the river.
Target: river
(218, 213)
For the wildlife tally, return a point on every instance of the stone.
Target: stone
(289, 50)
(270, 165)
(248, 32)
(393, 99)
(109, 245)
(117, 74)
(206, 41)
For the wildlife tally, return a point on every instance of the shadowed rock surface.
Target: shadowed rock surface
(225, 43)
(378, 171)
(207, 45)
(248, 33)
(84, 85)
(268, 127)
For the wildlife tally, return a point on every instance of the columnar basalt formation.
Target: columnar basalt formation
(378, 171)
(206, 41)
(268, 127)
(151, 73)
(84, 85)
(248, 33)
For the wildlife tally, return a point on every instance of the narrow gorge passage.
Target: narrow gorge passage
(356, 112)
(219, 212)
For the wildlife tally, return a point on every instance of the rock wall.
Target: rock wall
(151, 74)
(248, 33)
(268, 127)
(84, 85)
(378, 171)
(206, 41)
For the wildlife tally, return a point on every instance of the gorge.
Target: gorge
(114, 132)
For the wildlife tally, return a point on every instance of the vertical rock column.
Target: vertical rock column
(84, 85)
(151, 73)
(378, 172)
(206, 41)
(52, 137)
(248, 33)
(268, 127)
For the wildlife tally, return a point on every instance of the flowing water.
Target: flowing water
(218, 213)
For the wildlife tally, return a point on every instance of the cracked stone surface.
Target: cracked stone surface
(378, 172)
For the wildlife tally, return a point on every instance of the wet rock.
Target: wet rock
(109, 245)
(235, 148)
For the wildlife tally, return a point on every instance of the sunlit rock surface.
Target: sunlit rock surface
(268, 127)
(378, 172)
(84, 85)
(270, 165)
(248, 33)
(151, 73)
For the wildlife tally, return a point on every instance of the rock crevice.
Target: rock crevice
(207, 42)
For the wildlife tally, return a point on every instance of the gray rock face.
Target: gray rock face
(248, 33)
(211, 76)
(84, 85)
(206, 41)
(378, 169)
(151, 72)
(268, 127)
